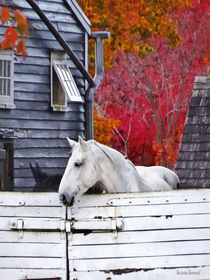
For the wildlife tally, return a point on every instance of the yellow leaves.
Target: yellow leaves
(104, 128)
(142, 49)
(132, 22)
(180, 4)
(16, 33)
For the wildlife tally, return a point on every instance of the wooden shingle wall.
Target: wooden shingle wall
(39, 133)
(193, 164)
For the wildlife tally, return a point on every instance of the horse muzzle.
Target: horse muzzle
(67, 199)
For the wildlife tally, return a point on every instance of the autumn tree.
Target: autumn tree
(16, 32)
(104, 128)
(131, 22)
(151, 96)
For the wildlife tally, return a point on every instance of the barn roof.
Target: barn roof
(79, 14)
(60, 39)
(193, 164)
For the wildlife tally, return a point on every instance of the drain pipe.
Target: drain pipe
(99, 74)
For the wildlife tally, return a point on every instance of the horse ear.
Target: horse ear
(72, 143)
(83, 143)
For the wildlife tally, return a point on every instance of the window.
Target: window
(62, 83)
(6, 80)
(6, 164)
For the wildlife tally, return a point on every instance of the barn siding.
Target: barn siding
(32, 123)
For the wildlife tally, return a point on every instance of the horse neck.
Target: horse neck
(117, 174)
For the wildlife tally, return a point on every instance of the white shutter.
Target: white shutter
(67, 81)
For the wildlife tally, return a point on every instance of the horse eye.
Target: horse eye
(78, 164)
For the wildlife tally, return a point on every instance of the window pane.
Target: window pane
(1, 87)
(6, 82)
(9, 88)
(1, 68)
(7, 68)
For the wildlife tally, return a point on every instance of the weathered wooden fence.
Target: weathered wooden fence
(159, 235)
(32, 239)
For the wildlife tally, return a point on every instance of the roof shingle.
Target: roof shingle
(193, 163)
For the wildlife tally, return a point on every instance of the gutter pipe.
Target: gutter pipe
(99, 74)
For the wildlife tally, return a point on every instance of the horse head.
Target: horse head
(80, 174)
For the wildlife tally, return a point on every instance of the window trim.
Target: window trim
(66, 81)
(7, 102)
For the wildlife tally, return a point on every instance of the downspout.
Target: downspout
(62, 42)
(99, 74)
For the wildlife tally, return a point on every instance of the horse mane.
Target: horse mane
(101, 147)
(114, 156)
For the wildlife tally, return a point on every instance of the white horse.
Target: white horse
(92, 163)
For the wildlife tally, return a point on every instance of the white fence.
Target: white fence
(159, 235)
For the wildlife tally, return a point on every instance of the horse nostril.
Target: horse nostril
(71, 201)
(63, 198)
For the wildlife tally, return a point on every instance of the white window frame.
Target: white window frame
(7, 88)
(60, 68)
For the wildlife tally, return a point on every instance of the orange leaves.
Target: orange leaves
(166, 152)
(11, 36)
(21, 49)
(16, 33)
(5, 15)
(104, 128)
(21, 20)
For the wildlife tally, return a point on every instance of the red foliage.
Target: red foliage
(11, 36)
(150, 97)
(17, 31)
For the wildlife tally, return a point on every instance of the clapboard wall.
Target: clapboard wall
(38, 133)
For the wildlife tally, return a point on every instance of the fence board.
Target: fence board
(142, 210)
(140, 250)
(32, 250)
(32, 263)
(55, 212)
(141, 263)
(145, 198)
(32, 224)
(158, 274)
(24, 198)
(22, 274)
(31, 236)
(141, 236)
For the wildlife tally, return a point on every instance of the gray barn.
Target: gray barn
(193, 164)
(48, 96)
